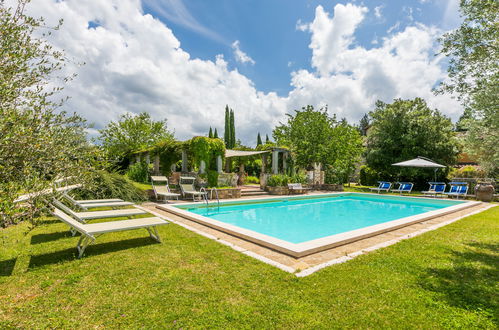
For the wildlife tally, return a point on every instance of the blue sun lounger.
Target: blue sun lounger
(436, 188)
(457, 189)
(383, 186)
(404, 187)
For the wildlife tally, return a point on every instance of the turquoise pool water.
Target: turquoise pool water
(301, 220)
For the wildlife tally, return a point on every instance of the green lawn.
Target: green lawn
(446, 278)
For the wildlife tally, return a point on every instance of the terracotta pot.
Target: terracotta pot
(484, 192)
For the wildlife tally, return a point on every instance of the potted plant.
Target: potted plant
(278, 185)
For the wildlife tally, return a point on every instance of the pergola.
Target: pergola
(275, 157)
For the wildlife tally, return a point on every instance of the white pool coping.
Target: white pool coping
(302, 249)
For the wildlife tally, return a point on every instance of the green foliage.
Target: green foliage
(282, 180)
(38, 143)
(132, 133)
(364, 124)
(170, 152)
(368, 176)
(215, 135)
(258, 140)
(212, 177)
(473, 51)
(267, 140)
(278, 180)
(210, 133)
(314, 137)
(232, 130)
(138, 172)
(404, 130)
(335, 175)
(227, 130)
(205, 149)
(467, 172)
(252, 179)
(112, 185)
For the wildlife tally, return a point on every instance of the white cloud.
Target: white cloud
(332, 36)
(241, 56)
(300, 26)
(135, 63)
(350, 78)
(377, 11)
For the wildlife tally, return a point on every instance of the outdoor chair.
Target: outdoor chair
(383, 186)
(84, 216)
(187, 188)
(457, 189)
(404, 187)
(297, 188)
(436, 188)
(163, 189)
(89, 232)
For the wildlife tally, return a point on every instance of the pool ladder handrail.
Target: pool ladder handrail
(205, 196)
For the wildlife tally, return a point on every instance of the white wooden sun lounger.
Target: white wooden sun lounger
(84, 216)
(189, 189)
(162, 190)
(96, 203)
(89, 232)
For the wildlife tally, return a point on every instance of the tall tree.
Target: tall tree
(215, 135)
(473, 51)
(227, 131)
(132, 133)
(364, 124)
(267, 140)
(38, 143)
(258, 140)
(210, 133)
(315, 137)
(232, 130)
(404, 130)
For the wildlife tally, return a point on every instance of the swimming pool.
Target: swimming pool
(302, 225)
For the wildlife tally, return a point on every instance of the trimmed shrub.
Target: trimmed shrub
(212, 177)
(278, 180)
(298, 178)
(368, 176)
(252, 179)
(138, 172)
(467, 172)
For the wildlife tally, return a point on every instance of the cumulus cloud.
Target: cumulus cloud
(350, 78)
(241, 56)
(135, 63)
(377, 11)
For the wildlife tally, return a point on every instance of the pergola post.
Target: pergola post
(284, 163)
(184, 161)
(275, 161)
(264, 162)
(202, 167)
(156, 164)
(219, 164)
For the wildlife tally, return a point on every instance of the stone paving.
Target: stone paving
(299, 264)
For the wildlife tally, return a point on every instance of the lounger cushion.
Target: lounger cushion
(110, 214)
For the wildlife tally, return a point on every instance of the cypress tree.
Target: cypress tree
(210, 134)
(227, 138)
(267, 140)
(232, 130)
(215, 135)
(258, 140)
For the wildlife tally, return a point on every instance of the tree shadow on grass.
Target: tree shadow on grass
(92, 250)
(7, 267)
(471, 282)
(42, 238)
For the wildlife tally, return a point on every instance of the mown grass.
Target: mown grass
(446, 278)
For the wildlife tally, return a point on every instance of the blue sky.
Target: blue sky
(267, 30)
(185, 60)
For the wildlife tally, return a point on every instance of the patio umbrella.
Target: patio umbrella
(420, 162)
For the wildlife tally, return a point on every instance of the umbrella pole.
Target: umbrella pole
(435, 176)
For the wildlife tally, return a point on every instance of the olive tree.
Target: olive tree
(38, 143)
(473, 51)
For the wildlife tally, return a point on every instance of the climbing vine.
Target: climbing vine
(205, 149)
